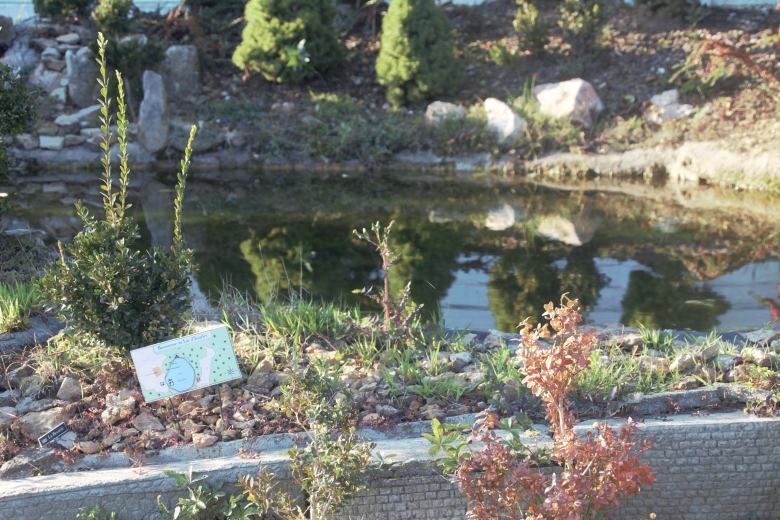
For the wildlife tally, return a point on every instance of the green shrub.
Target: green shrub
(530, 31)
(416, 60)
(60, 8)
(17, 111)
(112, 16)
(579, 19)
(288, 40)
(106, 291)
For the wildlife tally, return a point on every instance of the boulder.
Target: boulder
(90, 447)
(263, 380)
(74, 140)
(27, 141)
(89, 114)
(575, 232)
(666, 107)
(7, 33)
(82, 72)
(575, 99)
(504, 121)
(460, 360)
(181, 71)
(51, 142)
(504, 217)
(20, 56)
(35, 424)
(7, 413)
(69, 39)
(653, 364)
(45, 79)
(10, 398)
(439, 111)
(70, 389)
(762, 337)
(153, 114)
(686, 383)
(386, 410)
(685, 362)
(203, 440)
(117, 409)
(147, 422)
(60, 94)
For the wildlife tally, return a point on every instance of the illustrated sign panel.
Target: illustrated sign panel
(184, 364)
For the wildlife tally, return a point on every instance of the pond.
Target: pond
(478, 253)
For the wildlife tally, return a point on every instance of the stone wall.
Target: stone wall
(715, 467)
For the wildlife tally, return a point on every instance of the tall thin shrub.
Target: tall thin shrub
(105, 290)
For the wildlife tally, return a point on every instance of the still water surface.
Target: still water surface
(483, 256)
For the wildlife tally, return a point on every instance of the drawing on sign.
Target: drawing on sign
(184, 364)
(181, 375)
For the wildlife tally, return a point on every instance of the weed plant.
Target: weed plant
(17, 302)
(529, 28)
(106, 292)
(543, 132)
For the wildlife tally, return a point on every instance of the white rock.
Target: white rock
(666, 107)
(203, 440)
(181, 71)
(69, 39)
(70, 389)
(502, 218)
(575, 99)
(27, 141)
(45, 79)
(504, 121)
(60, 93)
(153, 114)
(51, 142)
(438, 111)
(575, 233)
(51, 53)
(82, 115)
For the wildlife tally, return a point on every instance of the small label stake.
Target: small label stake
(53, 434)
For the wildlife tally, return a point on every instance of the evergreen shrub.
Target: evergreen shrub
(530, 30)
(17, 111)
(108, 292)
(417, 59)
(288, 41)
(113, 16)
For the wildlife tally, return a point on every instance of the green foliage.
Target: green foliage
(288, 41)
(17, 111)
(502, 55)
(579, 19)
(202, 498)
(112, 16)
(105, 290)
(17, 301)
(416, 60)
(130, 58)
(331, 469)
(60, 8)
(95, 513)
(530, 30)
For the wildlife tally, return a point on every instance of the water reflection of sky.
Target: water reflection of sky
(741, 289)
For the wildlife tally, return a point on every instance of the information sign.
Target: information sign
(184, 364)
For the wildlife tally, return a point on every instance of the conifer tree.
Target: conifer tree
(417, 60)
(288, 40)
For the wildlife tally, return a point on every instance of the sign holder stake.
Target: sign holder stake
(175, 415)
(221, 413)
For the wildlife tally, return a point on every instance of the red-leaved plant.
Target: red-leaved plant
(501, 478)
